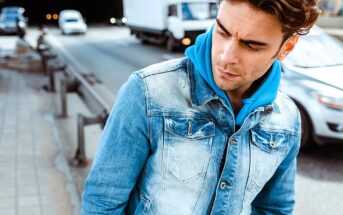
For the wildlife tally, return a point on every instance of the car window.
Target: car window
(317, 50)
(72, 20)
(11, 17)
(199, 11)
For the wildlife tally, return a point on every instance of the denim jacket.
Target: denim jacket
(170, 147)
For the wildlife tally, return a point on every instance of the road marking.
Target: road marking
(120, 40)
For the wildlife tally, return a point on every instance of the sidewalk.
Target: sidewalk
(34, 174)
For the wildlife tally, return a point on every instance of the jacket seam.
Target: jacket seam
(142, 73)
(144, 87)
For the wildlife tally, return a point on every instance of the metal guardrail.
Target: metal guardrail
(72, 82)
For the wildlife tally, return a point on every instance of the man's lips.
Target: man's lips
(226, 74)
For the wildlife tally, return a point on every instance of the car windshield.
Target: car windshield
(72, 20)
(11, 11)
(316, 50)
(10, 17)
(199, 11)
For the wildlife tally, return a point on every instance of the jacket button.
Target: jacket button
(268, 109)
(223, 185)
(272, 144)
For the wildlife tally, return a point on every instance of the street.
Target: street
(112, 54)
(319, 185)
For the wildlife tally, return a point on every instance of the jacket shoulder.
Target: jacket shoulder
(285, 117)
(286, 104)
(167, 84)
(163, 67)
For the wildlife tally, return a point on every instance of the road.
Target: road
(112, 55)
(320, 181)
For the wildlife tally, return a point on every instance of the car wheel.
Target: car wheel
(142, 38)
(306, 129)
(171, 46)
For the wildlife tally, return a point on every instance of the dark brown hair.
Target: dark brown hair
(295, 16)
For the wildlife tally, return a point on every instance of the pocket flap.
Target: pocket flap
(269, 140)
(190, 128)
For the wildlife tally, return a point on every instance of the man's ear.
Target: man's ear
(287, 47)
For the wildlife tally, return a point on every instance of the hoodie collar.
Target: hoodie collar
(202, 92)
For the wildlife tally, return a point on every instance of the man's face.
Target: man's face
(245, 43)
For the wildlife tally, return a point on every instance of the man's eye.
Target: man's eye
(252, 46)
(220, 32)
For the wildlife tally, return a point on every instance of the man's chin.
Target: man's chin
(225, 86)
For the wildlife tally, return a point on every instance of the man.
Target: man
(209, 133)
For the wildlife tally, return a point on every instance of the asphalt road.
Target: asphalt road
(112, 55)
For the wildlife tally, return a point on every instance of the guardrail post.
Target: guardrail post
(67, 86)
(64, 112)
(80, 155)
(46, 56)
(52, 70)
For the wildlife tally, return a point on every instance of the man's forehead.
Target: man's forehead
(248, 22)
(248, 39)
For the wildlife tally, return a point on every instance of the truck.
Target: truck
(174, 23)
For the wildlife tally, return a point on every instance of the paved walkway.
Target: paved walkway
(34, 175)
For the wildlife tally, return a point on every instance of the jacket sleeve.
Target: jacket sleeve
(278, 195)
(121, 155)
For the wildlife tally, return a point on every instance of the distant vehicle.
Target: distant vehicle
(172, 22)
(12, 21)
(71, 22)
(313, 77)
(118, 21)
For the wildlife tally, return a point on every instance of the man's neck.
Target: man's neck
(236, 97)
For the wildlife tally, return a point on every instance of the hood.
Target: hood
(200, 55)
(331, 75)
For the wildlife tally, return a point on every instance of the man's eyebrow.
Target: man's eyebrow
(222, 27)
(253, 42)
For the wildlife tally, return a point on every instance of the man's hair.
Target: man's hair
(295, 16)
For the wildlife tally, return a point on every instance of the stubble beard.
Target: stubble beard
(223, 83)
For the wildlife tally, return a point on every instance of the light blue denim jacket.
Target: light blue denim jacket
(170, 147)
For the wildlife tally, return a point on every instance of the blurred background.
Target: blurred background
(62, 63)
(92, 10)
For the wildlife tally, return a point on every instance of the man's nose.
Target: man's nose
(229, 54)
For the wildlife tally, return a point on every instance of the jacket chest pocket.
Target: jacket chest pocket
(268, 149)
(187, 147)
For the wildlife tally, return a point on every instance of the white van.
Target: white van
(71, 22)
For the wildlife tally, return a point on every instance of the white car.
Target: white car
(313, 77)
(71, 22)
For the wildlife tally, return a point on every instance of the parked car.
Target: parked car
(12, 21)
(313, 77)
(71, 22)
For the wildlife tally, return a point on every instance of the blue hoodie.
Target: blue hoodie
(200, 55)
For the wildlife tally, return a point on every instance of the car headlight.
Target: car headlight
(21, 24)
(331, 100)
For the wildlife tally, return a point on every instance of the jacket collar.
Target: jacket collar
(202, 93)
